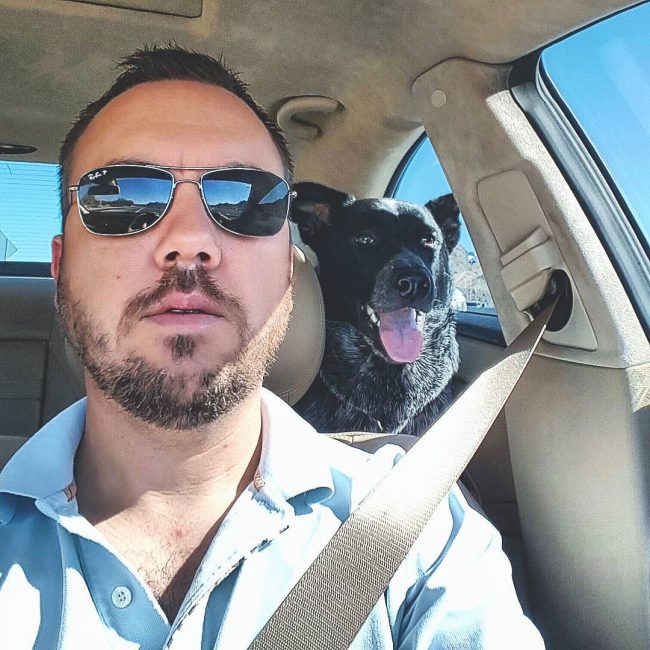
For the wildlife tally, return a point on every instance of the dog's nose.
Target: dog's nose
(413, 285)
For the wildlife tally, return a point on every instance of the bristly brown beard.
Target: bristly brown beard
(155, 395)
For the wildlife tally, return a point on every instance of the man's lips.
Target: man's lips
(184, 309)
(183, 302)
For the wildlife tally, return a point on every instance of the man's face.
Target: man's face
(111, 290)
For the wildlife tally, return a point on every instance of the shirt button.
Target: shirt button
(121, 597)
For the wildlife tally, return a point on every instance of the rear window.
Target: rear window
(29, 210)
(420, 180)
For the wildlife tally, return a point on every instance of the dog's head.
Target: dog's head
(383, 264)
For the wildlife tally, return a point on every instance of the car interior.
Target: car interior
(562, 473)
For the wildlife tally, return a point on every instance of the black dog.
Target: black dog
(391, 350)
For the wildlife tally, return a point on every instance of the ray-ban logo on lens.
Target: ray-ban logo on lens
(97, 174)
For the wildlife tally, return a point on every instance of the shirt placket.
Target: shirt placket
(123, 601)
(258, 517)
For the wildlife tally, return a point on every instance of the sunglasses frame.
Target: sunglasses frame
(291, 194)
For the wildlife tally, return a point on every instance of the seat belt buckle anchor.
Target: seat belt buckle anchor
(558, 288)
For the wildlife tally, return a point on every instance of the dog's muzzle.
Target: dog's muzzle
(414, 286)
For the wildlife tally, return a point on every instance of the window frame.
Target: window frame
(25, 269)
(587, 176)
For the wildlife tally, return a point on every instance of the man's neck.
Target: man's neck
(159, 496)
(126, 466)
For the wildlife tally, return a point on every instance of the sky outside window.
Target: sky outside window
(29, 210)
(603, 76)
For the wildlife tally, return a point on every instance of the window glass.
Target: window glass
(602, 74)
(29, 210)
(421, 180)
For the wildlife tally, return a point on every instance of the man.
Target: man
(177, 505)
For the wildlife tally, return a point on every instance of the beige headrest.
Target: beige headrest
(301, 352)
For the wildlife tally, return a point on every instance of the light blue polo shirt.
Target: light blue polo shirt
(62, 585)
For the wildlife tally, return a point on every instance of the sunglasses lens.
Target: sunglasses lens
(247, 201)
(123, 199)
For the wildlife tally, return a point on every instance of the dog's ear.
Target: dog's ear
(313, 207)
(447, 215)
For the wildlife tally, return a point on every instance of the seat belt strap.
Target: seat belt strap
(329, 604)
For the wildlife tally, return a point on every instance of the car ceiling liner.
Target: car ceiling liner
(183, 8)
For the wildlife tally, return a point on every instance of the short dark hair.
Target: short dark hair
(169, 62)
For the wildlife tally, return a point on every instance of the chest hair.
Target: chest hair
(167, 565)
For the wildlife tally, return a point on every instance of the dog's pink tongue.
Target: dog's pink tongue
(400, 335)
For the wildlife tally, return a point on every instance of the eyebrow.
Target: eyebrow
(234, 164)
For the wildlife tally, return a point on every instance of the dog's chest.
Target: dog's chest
(369, 394)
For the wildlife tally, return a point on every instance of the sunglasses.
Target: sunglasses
(119, 200)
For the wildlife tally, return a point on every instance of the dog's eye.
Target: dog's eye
(428, 242)
(364, 240)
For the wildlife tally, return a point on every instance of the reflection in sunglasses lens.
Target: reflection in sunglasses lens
(126, 199)
(123, 200)
(247, 202)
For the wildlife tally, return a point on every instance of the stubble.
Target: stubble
(159, 396)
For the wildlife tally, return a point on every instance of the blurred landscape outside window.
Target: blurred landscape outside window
(29, 210)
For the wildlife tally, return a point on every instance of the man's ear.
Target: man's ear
(57, 253)
(447, 215)
(312, 210)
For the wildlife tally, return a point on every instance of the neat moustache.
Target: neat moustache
(176, 279)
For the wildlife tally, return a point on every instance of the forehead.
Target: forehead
(176, 123)
(389, 213)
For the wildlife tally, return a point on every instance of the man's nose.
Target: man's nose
(189, 236)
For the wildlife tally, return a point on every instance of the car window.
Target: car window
(593, 109)
(602, 76)
(29, 210)
(421, 179)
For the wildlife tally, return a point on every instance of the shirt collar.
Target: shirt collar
(295, 458)
(44, 465)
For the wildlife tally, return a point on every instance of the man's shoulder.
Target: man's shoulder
(320, 460)
(352, 473)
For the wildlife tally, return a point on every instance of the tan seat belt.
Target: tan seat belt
(329, 604)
